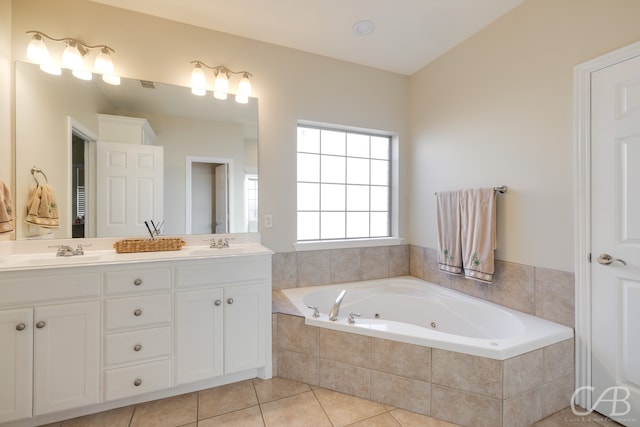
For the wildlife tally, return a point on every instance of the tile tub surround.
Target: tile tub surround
(463, 389)
(545, 293)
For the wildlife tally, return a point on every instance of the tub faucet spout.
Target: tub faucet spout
(333, 313)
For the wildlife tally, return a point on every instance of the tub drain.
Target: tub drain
(434, 325)
(377, 315)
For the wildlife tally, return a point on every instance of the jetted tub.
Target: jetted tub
(414, 311)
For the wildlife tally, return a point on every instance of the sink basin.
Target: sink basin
(35, 260)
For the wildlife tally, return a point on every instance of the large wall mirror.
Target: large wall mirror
(117, 156)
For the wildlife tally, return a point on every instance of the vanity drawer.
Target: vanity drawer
(137, 379)
(224, 272)
(138, 311)
(15, 288)
(122, 281)
(137, 345)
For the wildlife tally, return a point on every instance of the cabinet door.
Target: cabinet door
(66, 356)
(245, 327)
(16, 349)
(198, 335)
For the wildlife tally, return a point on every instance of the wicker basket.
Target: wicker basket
(146, 245)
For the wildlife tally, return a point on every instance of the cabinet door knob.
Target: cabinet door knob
(20, 327)
(137, 382)
(137, 313)
(217, 302)
(229, 300)
(137, 282)
(137, 347)
(40, 324)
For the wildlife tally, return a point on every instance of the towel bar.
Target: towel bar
(500, 189)
(34, 171)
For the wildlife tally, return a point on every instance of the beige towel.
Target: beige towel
(42, 208)
(449, 249)
(478, 232)
(7, 217)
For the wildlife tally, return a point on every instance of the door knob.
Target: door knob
(606, 259)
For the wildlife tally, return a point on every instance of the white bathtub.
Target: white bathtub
(411, 310)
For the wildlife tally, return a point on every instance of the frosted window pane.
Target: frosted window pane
(379, 224)
(379, 172)
(333, 142)
(380, 147)
(332, 225)
(357, 224)
(357, 145)
(308, 225)
(379, 198)
(309, 140)
(333, 169)
(333, 197)
(308, 167)
(357, 171)
(308, 197)
(357, 198)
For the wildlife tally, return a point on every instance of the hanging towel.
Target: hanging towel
(42, 208)
(449, 250)
(478, 232)
(7, 218)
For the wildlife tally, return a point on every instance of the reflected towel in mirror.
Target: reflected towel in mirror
(42, 208)
(7, 218)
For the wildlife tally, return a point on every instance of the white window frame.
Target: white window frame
(394, 238)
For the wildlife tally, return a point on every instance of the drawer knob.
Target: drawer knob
(137, 382)
(137, 347)
(20, 327)
(137, 282)
(137, 313)
(40, 324)
(217, 302)
(229, 300)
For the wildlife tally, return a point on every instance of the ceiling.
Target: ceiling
(408, 34)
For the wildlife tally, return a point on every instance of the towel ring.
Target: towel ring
(34, 171)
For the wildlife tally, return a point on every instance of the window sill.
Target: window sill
(344, 244)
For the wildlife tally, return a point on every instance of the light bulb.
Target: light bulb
(82, 74)
(37, 51)
(71, 57)
(51, 69)
(198, 81)
(244, 90)
(221, 85)
(104, 64)
(112, 79)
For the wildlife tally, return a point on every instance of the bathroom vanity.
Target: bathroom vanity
(82, 335)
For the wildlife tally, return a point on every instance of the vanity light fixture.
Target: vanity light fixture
(221, 82)
(72, 58)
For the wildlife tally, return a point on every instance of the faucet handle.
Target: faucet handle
(316, 313)
(352, 317)
(80, 248)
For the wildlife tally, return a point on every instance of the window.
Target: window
(344, 184)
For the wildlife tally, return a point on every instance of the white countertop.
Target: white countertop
(22, 255)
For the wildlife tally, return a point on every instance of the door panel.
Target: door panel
(615, 230)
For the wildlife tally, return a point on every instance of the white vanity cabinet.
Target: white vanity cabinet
(80, 339)
(222, 326)
(49, 357)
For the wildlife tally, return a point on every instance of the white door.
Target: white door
(244, 328)
(66, 356)
(199, 329)
(129, 188)
(222, 189)
(16, 362)
(202, 191)
(615, 232)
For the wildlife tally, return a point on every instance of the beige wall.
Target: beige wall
(497, 110)
(290, 85)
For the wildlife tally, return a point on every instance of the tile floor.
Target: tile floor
(280, 403)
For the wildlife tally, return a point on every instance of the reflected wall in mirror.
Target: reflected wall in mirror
(209, 157)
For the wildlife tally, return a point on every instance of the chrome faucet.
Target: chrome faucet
(335, 309)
